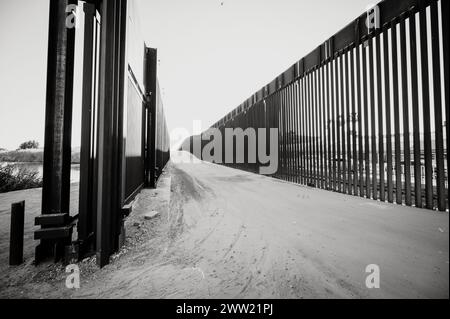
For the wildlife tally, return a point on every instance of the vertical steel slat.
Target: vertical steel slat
(269, 125)
(344, 101)
(247, 123)
(388, 114)
(338, 120)
(380, 118)
(321, 126)
(263, 123)
(353, 120)
(366, 123)
(328, 125)
(283, 117)
(266, 123)
(283, 125)
(299, 142)
(426, 109)
(255, 125)
(308, 128)
(296, 132)
(347, 123)
(285, 134)
(406, 142)
(415, 110)
(316, 139)
(84, 225)
(280, 129)
(359, 50)
(333, 118)
(288, 119)
(299, 128)
(273, 124)
(439, 140)
(109, 135)
(293, 130)
(288, 129)
(250, 124)
(265, 126)
(396, 107)
(372, 120)
(277, 123)
(275, 110)
(313, 129)
(302, 128)
(308, 119)
(342, 162)
(243, 122)
(318, 129)
(324, 128)
(342, 159)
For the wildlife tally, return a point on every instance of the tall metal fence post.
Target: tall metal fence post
(150, 88)
(58, 125)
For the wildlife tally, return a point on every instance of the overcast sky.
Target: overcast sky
(213, 54)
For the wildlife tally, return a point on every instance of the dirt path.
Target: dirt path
(225, 233)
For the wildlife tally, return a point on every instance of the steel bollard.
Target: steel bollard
(16, 235)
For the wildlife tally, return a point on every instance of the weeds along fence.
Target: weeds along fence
(364, 113)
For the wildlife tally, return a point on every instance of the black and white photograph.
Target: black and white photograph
(224, 155)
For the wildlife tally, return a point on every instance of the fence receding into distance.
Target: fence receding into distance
(366, 112)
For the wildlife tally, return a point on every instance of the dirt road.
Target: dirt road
(253, 236)
(225, 233)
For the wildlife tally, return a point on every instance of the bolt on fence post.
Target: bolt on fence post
(16, 234)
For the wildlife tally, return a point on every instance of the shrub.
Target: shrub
(28, 145)
(13, 177)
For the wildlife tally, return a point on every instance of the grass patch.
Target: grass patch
(33, 156)
(13, 178)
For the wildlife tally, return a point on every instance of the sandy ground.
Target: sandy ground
(225, 233)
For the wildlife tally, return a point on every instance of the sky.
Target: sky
(213, 54)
